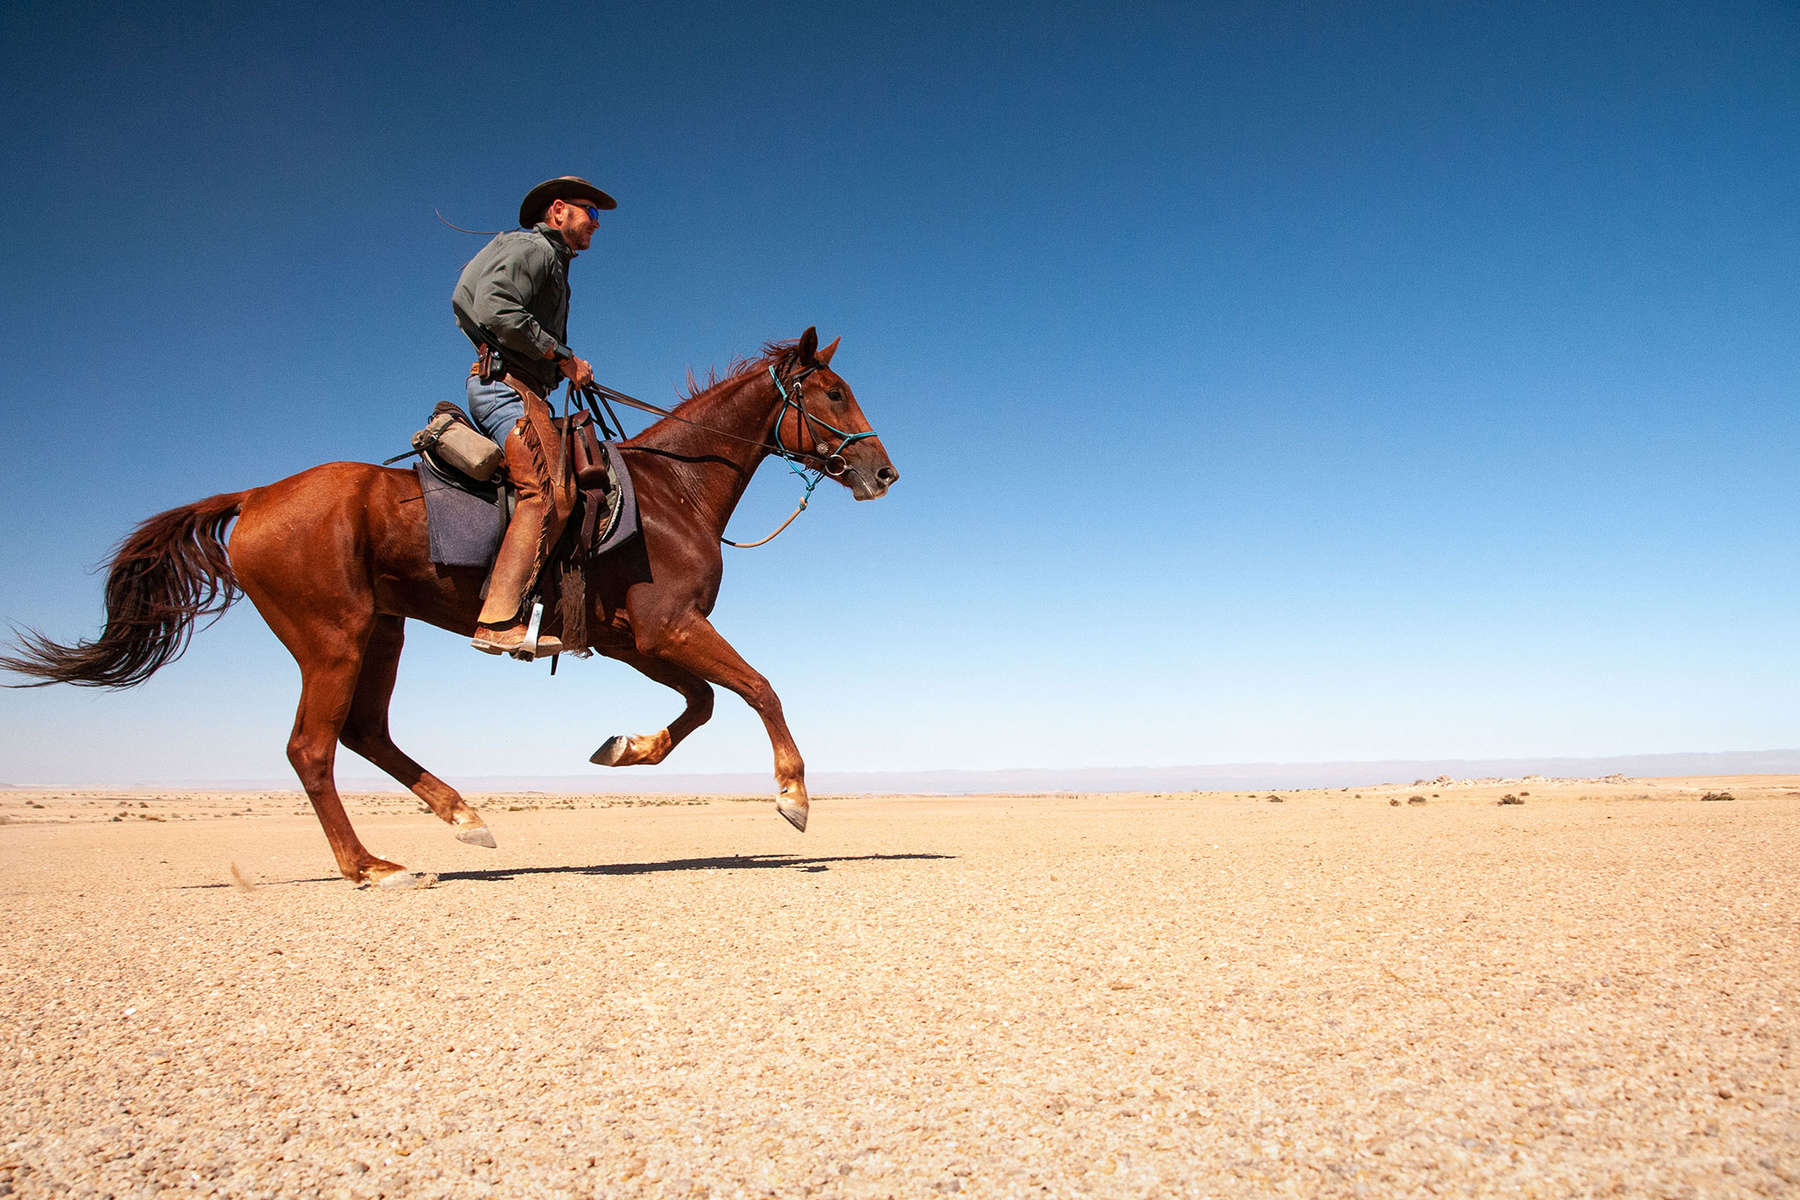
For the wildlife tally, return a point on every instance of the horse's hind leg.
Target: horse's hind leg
(329, 650)
(623, 750)
(300, 552)
(366, 732)
(327, 684)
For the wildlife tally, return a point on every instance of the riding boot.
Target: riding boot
(542, 503)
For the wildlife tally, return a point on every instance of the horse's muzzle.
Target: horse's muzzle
(867, 486)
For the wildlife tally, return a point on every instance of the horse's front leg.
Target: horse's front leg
(625, 750)
(691, 643)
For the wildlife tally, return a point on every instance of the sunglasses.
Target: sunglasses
(592, 212)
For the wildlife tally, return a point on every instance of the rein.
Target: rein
(831, 461)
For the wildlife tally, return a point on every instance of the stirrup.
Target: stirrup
(530, 648)
(531, 645)
(546, 645)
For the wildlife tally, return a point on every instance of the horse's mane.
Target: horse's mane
(700, 401)
(774, 354)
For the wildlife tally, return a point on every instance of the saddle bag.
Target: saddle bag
(586, 458)
(449, 438)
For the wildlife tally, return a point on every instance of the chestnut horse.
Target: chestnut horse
(336, 558)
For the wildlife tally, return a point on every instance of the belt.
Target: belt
(510, 380)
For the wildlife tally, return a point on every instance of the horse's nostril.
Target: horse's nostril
(887, 474)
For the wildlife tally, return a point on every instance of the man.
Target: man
(512, 300)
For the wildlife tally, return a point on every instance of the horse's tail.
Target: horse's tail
(170, 571)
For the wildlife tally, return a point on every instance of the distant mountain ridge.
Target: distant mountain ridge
(1204, 777)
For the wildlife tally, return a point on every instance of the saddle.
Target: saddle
(465, 517)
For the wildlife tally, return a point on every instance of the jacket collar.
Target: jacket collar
(555, 238)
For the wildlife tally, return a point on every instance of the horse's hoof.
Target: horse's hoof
(794, 811)
(477, 835)
(610, 752)
(405, 881)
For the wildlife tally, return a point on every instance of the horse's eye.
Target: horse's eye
(836, 396)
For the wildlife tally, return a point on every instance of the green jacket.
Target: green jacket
(514, 296)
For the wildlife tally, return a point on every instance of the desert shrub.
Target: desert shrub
(1718, 796)
(1509, 798)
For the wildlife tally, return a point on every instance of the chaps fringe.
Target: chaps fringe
(571, 595)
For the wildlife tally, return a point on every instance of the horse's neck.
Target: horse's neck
(717, 443)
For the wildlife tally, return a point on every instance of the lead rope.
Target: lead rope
(811, 484)
(753, 545)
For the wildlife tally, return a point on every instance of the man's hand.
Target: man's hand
(577, 370)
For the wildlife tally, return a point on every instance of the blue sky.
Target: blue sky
(1268, 381)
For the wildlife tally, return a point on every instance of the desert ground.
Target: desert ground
(1591, 991)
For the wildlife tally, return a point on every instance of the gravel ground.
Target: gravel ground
(1588, 993)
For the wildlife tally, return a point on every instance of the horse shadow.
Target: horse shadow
(730, 862)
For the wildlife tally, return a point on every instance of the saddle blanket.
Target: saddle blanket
(465, 527)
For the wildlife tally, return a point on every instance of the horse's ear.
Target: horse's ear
(809, 344)
(824, 356)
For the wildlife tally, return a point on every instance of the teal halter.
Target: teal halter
(831, 462)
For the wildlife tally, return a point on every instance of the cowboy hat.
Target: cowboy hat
(566, 187)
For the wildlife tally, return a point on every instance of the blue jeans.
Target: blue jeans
(495, 407)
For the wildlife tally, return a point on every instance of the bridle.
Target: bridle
(831, 460)
(810, 466)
